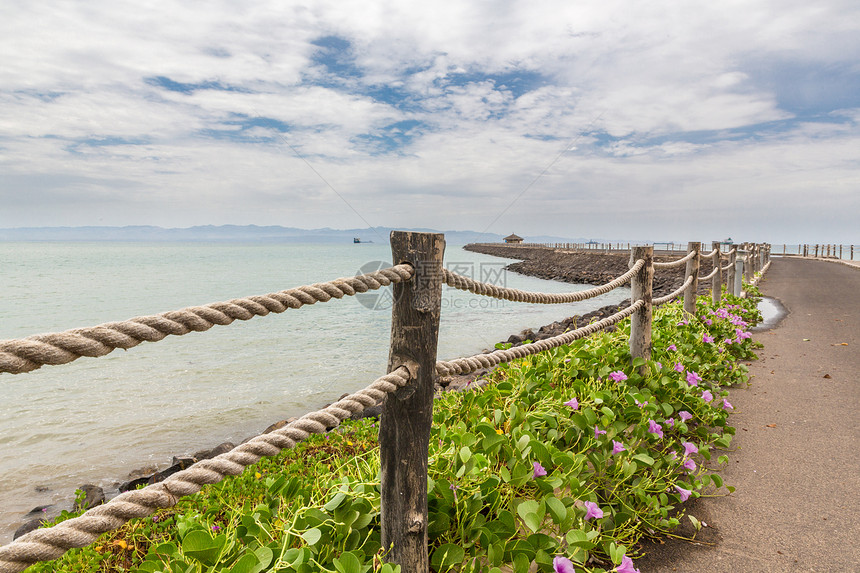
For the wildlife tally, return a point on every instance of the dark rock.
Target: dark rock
(275, 426)
(28, 527)
(39, 510)
(183, 463)
(133, 484)
(371, 412)
(93, 496)
(216, 451)
(143, 472)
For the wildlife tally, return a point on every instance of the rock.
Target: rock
(143, 472)
(371, 412)
(216, 451)
(182, 463)
(133, 484)
(28, 527)
(275, 426)
(93, 496)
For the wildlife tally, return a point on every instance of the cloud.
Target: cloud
(605, 118)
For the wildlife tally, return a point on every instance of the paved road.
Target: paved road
(797, 467)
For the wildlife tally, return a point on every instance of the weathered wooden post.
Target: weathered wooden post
(641, 287)
(692, 271)
(404, 429)
(717, 281)
(852, 252)
(730, 273)
(748, 266)
(740, 263)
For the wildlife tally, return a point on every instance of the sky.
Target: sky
(659, 120)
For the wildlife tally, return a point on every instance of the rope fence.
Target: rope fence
(415, 324)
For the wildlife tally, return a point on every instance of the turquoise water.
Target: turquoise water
(97, 419)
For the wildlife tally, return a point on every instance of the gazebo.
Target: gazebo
(514, 239)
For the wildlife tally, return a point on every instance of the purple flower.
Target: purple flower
(685, 415)
(690, 448)
(659, 365)
(742, 334)
(216, 528)
(655, 428)
(728, 341)
(684, 493)
(693, 379)
(679, 367)
(572, 403)
(672, 347)
(626, 566)
(709, 322)
(598, 431)
(617, 447)
(706, 338)
(539, 470)
(726, 405)
(690, 464)
(673, 454)
(562, 565)
(707, 396)
(670, 422)
(618, 376)
(684, 322)
(640, 404)
(591, 510)
(454, 488)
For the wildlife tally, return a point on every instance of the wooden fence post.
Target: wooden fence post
(730, 273)
(717, 281)
(692, 271)
(740, 263)
(641, 287)
(404, 429)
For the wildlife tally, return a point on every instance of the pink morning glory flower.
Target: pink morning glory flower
(684, 493)
(728, 341)
(598, 431)
(707, 396)
(539, 470)
(562, 565)
(655, 428)
(726, 405)
(706, 338)
(591, 510)
(690, 464)
(618, 376)
(709, 322)
(684, 322)
(640, 404)
(690, 448)
(685, 415)
(626, 566)
(670, 422)
(659, 365)
(672, 347)
(673, 454)
(617, 447)
(573, 403)
(742, 334)
(693, 379)
(678, 367)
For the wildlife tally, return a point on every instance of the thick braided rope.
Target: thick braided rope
(465, 283)
(670, 296)
(676, 263)
(711, 255)
(729, 254)
(710, 275)
(727, 267)
(24, 355)
(479, 361)
(51, 543)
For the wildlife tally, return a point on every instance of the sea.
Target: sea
(96, 420)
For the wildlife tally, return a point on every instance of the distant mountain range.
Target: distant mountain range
(245, 233)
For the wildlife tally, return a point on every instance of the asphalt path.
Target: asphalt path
(796, 464)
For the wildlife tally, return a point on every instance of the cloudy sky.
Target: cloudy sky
(614, 119)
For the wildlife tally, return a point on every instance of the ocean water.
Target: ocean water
(96, 420)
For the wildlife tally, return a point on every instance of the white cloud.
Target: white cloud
(663, 106)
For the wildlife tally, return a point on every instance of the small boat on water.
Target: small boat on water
(357, 240)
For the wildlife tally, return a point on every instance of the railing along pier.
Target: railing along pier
(407, 389)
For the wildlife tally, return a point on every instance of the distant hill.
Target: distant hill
(243, 233)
